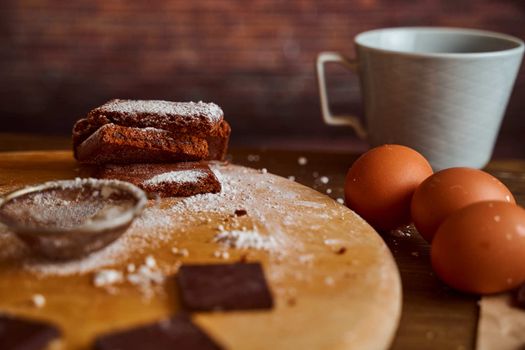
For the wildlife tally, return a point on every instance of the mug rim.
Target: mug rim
(519, 48)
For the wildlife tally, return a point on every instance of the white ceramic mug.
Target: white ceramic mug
(441, 91)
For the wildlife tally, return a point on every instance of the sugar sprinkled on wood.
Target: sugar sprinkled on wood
(104, 278)
(244, 239)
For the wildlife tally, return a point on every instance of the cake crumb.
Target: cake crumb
(240, 212)
(264, 171)
(340, 200)
(403, 231)
(222, 254)
(328, 190)
(38, 301)
(253, 157)
(180, 252)
(341, 251)
(324, 179)
(302, 160)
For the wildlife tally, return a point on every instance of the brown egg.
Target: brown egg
(380, 184)
(449, 190)
(481, 248)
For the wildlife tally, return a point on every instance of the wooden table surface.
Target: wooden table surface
(434, 316)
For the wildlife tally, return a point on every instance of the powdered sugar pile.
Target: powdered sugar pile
(104, 278)
(179, 176)
(246, 240)
(146, 277)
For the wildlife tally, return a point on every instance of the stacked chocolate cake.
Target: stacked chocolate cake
(160, 146)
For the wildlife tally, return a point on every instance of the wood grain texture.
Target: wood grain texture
(434, 316)
(358, 309)
(60, 59)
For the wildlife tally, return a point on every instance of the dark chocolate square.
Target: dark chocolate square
(23, 334)
(237, 286)
(177, 333)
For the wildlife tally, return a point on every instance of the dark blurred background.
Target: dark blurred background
(59, 59)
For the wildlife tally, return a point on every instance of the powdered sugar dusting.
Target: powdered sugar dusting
(179, 176)
(167, 224)
(246, 239)
(210, 111)
(72, 204)
(147, 231)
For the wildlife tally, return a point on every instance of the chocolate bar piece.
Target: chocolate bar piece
(123, 145)
(23, 334)
(175, 333)
(240, 286)
(168, 180)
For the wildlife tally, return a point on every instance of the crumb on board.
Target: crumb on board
(183, 252)
(240, 212)
(253, 157)
(222, 254)
(341, 251)
(38, 300)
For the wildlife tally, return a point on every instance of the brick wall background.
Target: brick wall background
(255, 58)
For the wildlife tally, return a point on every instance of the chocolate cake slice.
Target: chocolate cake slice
(192, 131)
(167, 180)
(123, 145)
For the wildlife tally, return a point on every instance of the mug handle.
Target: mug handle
(328, 117)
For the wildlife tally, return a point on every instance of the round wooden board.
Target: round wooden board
(325, 297)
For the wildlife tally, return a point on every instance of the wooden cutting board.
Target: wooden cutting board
(335, 283)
